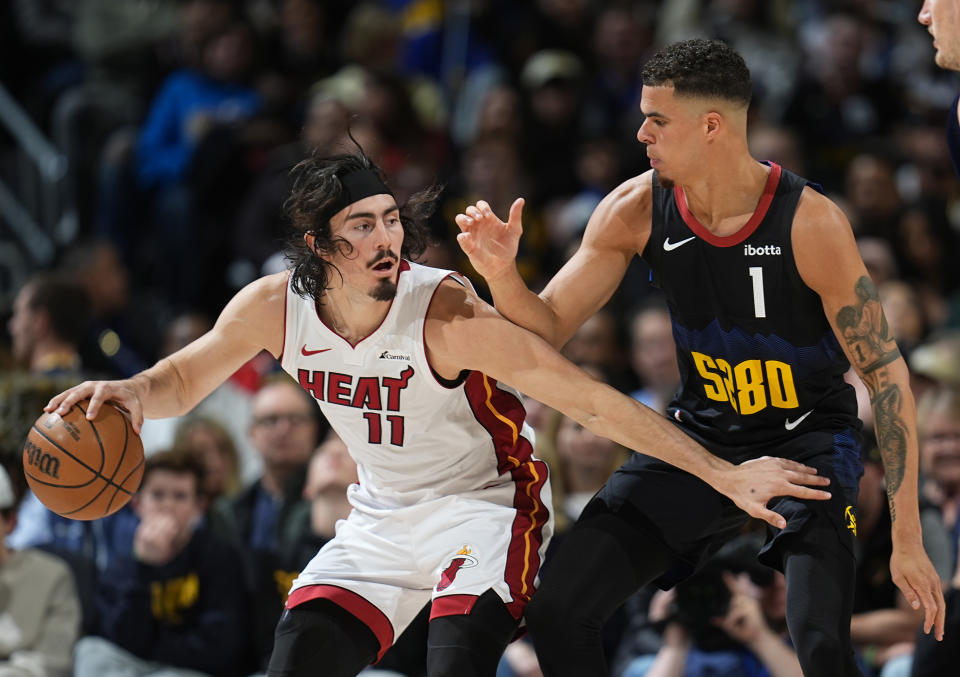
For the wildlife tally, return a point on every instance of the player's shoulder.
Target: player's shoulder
(259, 301)
(268, 287)
(818, 214)
(631, 198)
(622, 219)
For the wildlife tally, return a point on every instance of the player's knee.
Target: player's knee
(548, 612)
(320, 636)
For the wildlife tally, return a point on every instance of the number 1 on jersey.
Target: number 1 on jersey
(759, 307)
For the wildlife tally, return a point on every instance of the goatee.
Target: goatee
(385, 290)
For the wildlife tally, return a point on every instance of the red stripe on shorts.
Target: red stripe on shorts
(452, 605)
(350, 601)
(501, 413)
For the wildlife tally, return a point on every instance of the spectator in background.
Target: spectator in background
(39, 609)
(261, 227)
(215, 446)
(878, 257)
(330, 472)
(938, 415)
(777, 144)
(176, 600)
(872, 195)
(191, 119)
(270, 517)
(50, 315)
(125, 325)
(598, 343)
(580, 462)
(553, 83)
(492, 168)
(653, 354)
(927, 247)
(904, 313)
(728, 619)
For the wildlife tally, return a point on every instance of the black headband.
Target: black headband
(356, 186)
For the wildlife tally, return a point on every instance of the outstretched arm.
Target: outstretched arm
(617, 230)
(852, 306)
(463, 332)
(252, 321)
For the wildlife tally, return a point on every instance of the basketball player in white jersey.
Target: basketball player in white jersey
(414, 372)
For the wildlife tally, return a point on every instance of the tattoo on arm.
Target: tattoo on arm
(865, 330)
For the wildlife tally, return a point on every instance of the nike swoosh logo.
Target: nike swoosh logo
(308, 353)
(790, 425)
(669, 246)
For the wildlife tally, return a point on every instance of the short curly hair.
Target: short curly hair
(708, 68)
(316, 197)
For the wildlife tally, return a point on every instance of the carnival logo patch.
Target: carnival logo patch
(395, 355)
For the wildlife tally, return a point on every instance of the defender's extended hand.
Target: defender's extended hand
(753, 483)
(490, 243)
(914, 574)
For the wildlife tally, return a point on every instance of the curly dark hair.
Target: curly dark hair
(699, 67)
(314, 199)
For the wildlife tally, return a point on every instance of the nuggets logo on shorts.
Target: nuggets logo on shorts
(462, 560)
(851, 518)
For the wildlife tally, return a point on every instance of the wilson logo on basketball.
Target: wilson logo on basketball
(45, 463)
(462, 560)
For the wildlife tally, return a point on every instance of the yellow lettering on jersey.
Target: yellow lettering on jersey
(171, 597)
(749, 377)
(284, 579)
(783, 393)
(714, 389)
(728, 382)
(750, 386)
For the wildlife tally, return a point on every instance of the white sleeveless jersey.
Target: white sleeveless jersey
(414, 438)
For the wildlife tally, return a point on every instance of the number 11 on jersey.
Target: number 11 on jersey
(759, 307)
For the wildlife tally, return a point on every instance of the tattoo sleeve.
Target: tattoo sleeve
(865, 330)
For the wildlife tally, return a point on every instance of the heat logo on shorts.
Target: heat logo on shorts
(462, 560)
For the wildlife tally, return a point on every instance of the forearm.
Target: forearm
(885, 626)
(517, 303)
(776, 656)
(671, 659)
(162, 390)
(895, 426)
(638, 427)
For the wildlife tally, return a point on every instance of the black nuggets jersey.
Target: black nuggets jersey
(759, 363)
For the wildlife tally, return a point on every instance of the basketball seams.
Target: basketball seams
(103, 454)
(103, 462)
(75, 452)
(67, 453)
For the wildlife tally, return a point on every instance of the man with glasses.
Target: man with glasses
(270, 517)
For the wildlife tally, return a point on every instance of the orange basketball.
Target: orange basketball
(83, 469)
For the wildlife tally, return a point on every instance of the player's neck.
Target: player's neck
(724, 198)
(351, 313)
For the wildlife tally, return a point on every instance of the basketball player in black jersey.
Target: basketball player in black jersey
(942, 19)
(770, 304)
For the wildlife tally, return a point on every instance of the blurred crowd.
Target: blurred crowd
(180, 120)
